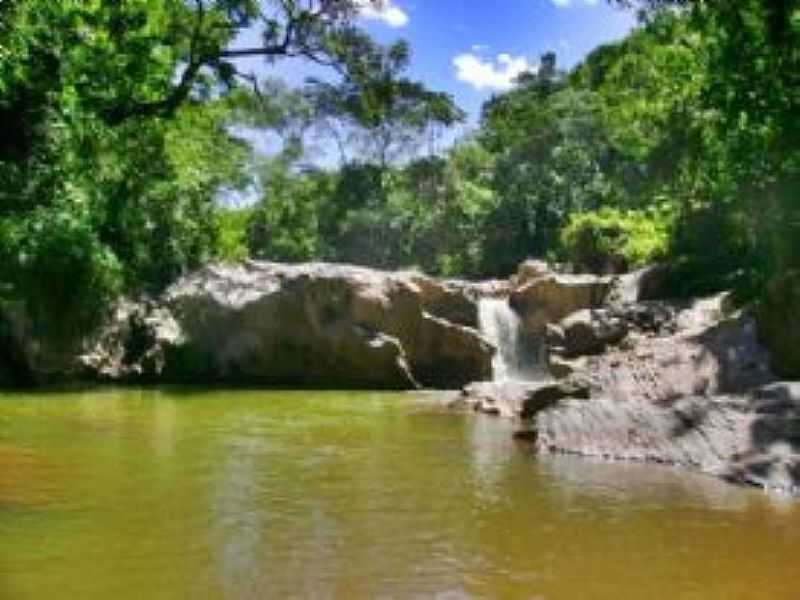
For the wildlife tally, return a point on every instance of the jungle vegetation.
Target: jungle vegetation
(121, 144)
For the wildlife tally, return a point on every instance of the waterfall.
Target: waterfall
(517, 357)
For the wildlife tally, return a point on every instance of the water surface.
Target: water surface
(177, 494)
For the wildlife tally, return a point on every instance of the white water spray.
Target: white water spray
(516, 357)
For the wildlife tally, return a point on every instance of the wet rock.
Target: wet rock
(519, 398)
(699, 433)
(560, 367)
(545, 395)
(502, 399)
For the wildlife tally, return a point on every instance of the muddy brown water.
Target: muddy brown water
(172, 494)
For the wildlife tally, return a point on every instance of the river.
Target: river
(175, 493)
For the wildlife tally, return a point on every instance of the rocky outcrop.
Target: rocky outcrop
(642, 285)
(315, 324)
(452, 301)
(682, 384)
(747, 439)
(779, 323)
(543, 297)
(694, 352)
(585, 332)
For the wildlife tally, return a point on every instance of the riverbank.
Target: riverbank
(617, 373)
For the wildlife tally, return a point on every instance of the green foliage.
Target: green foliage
(427, 214)
(383, 113)
(284, 225)
(552, 159)
(679, 143)
(54, 261)
(116, 122)
(610, 238)
(232, 226)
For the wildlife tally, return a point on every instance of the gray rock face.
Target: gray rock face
(704, 356)
(688, 386)
(542, 297)
(588, 332)
(738, 438)
(314, 324)
(642, 285)
(449, 300)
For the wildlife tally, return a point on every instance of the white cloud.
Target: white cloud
(565, 3)
(384, 10)
(479, 47)
(494, 75)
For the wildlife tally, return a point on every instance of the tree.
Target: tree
(388, 115)
(118, 134)
(553, 157)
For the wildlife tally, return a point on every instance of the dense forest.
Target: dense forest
(124, 131)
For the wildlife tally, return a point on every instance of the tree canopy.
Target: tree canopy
(125, 124)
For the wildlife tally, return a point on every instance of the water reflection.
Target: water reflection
(272, 495)
(630, 482)
(239, 516)
(165, 429)
(490, 452)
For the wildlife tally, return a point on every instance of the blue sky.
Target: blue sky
(472, 48)
(468, 48)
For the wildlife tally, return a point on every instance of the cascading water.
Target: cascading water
(517, 358)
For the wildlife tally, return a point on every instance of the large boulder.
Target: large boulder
(449, 300)
(315, 324)
(750, 439)
(542, 297)
(779, 323)
(586, 332)
(659, 352)
(689, 385)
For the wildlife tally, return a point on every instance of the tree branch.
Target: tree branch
(296, 42)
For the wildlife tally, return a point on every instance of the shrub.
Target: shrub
(613, 240)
